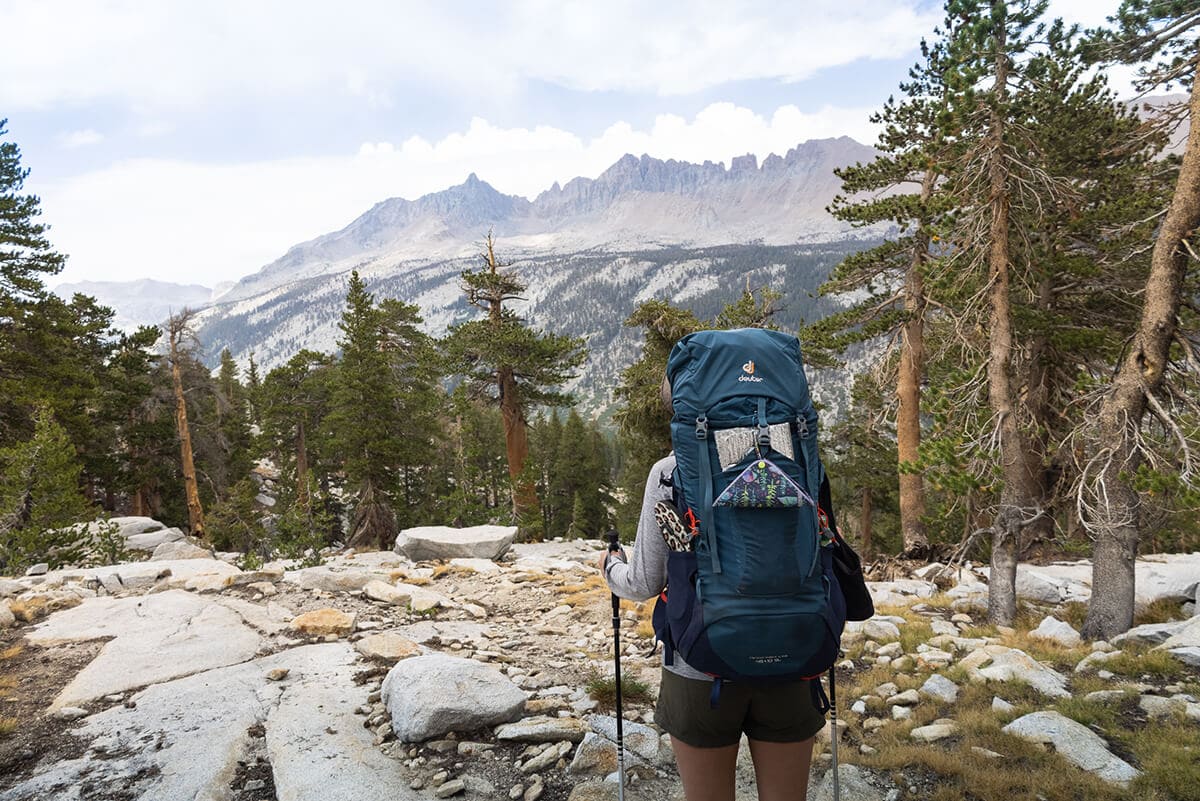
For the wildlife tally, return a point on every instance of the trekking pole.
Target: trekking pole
(614, 547)
(833, 735)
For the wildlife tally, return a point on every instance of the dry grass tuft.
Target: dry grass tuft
(1135, 663)
(1164, 610)
(418, 581)
(603, 689)
(7, 726)
(1168, 754)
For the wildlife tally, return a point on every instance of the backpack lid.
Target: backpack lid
(707, 367)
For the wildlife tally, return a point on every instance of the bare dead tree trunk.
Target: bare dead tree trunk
(908, 393)
(1016, 493)
(1114, 522)
(177, 327)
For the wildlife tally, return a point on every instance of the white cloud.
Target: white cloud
(190, 222)
(73, 139)
(166, 55)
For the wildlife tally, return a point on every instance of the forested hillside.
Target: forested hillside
(1031, 310)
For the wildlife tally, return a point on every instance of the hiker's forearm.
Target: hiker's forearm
(646, 574)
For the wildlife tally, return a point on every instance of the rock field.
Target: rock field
(374, 676)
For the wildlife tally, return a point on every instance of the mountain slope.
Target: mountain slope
(590, 250)
(141, 302)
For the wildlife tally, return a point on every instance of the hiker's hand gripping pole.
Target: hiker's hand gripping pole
(614, 546)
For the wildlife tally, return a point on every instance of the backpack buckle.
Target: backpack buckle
(764, 438)
(701, 427)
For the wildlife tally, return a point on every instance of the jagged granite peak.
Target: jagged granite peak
(638, 201)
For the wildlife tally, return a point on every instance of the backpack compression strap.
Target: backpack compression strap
(706, 491)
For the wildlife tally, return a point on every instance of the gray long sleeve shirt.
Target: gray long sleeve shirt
(645, 575)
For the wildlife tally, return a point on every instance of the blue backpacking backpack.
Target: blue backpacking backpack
(755, 598)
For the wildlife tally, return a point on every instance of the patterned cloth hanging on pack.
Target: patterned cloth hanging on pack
(762, 485)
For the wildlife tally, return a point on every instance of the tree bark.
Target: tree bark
(1111, 609)
(1037, 401)
(516, 442)
(191, 488)
(374, 523)
(864, 523)
(301, 466)
(908, 393)
(1016, 493)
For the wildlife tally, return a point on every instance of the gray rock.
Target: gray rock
(853, 784)
(330, 580)
(150, 540)
(452, 787)
(1093, 660)
(638, 738)
(157, 638)
(387, 645)
(430, 695)
(543, 730)
(387, 593)
(1187, 636)
(40, 569)
(546, 758)
(906, 698)
(1055, 630)
(1012, 663)
(1075, 742)
(939, 687)
(1155, 706)
(9, 588)
(596, 755)
(880, 630)
(183, 738)
(1188, 655)
(1149, 633)
(7, 618)
(1001, 706)
(443, 542)
(594, 791)
(933, 732)
(71, 713)
(179, 549)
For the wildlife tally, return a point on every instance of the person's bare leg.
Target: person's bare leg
(781, 769)
(707, 773)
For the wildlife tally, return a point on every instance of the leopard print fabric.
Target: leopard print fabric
(673, 530)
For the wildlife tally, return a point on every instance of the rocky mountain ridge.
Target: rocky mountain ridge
(590, 251)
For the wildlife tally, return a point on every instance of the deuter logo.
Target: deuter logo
(748, 369)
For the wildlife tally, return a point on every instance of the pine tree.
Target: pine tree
(510, 363)
(41, 503)
(1162, 36)
(294, 400)
(997, 172)
(363, 422)
(236, 524)
(860, 451)
(26, 256)
(912, 157)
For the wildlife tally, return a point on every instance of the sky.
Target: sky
(195, 142)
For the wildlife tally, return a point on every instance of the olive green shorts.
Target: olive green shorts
(774, 713)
